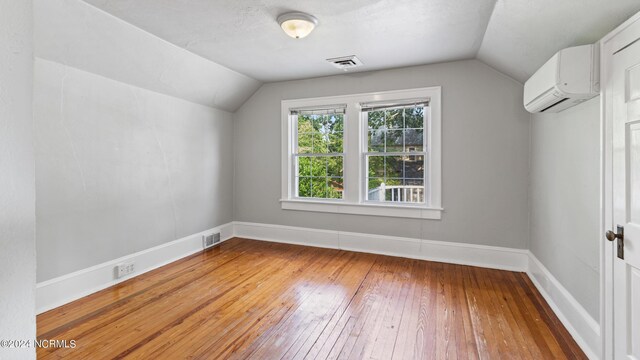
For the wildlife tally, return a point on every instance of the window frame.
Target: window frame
(354, 199)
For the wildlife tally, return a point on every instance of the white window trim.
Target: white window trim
(354, 200)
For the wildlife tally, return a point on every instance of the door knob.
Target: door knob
(615, 235)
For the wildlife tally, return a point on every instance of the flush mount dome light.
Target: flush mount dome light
(297, 24)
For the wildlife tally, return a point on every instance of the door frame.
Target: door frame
(622, 36)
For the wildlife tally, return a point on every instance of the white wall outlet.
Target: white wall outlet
(124, 269)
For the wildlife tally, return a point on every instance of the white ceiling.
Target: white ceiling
(76, 34)
(523, 34)
(244, 35)
(513, 36)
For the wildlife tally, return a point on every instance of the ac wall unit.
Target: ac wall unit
(570, 77)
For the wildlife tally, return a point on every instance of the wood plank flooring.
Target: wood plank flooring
(249, 299)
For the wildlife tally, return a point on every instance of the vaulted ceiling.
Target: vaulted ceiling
(523, 34)
(513, 36)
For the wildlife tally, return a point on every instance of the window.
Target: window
(372, 154)
(395, 154)
(319, 152)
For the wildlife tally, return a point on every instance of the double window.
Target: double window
(374, 154)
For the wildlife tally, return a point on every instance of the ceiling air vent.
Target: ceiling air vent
(345, 62)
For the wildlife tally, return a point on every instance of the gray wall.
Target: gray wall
(565, 193)
(485, 155)
(17, 188)
(121, 169)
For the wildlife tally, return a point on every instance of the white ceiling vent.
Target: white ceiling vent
(345, 62)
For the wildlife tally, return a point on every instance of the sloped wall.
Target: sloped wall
(129, 152)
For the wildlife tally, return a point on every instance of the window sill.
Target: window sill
(402, 211)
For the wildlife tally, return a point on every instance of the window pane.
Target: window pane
(319, 187)
(334, 166)
(376, 120)
(335, 123)
(391, 182)
(413, 169)
(320, 176)
(376, 140)
(304, 166)
(376, 166)
(319, 166)
(396, 190)
(395, 118)
(304, 124)
(320, 142)
(413, 190)
(392, 188)
(335, 188)
(393, 167)
(413, 140)
(318, 122)
(394, 141)
(375, 191)
(413, 182)
(336, 142)
(304, 187)
(305, 143)
(414, 117)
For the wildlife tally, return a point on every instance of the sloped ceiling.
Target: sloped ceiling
(76, 34)
(513, 36)
(523, 34)
(244, 35)
(240, 45)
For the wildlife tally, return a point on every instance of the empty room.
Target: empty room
(361, 179)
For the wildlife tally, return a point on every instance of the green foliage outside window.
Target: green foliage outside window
(320, 176)
(389, 131)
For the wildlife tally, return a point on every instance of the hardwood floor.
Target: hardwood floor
(248, 299)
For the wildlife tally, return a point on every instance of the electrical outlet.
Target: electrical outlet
(124, 269)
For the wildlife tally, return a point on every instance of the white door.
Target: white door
(626, 201)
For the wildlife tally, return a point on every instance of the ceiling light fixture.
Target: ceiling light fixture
(297, 24)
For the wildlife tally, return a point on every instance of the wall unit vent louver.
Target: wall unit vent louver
(345, 62)
(210, 240)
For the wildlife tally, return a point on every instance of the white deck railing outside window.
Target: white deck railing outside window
(397, 193)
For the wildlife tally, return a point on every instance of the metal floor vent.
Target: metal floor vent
(211, 240)
(345, 62)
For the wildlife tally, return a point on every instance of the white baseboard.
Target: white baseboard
(455, 253)
(583, 328)
(64, 289)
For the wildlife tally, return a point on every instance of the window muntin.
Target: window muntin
(395, 155)
(319, 153)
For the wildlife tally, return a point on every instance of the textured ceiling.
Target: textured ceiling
(523, 34)
(74, 33)
(513, 36)
(243, 35)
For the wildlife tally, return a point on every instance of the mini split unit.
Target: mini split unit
(570, 77)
